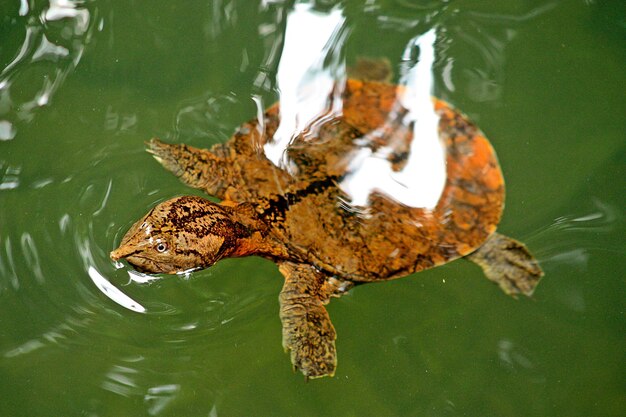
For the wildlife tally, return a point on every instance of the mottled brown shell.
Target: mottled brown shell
(392, 240)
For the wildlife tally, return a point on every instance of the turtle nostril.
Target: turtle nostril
(122, 252)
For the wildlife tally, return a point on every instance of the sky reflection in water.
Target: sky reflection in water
(57, 218)
(311, 76)
(54, 43)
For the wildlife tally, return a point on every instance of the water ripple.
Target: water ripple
(206, 117)
(514, 358)
(570, 237)
(9, 176)
(57, 334)
(31, 255)
(158, 397)
(7, 266)
(54, 40)
(113, 292)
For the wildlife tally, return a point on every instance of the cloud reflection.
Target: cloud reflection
(47, 55)
(311, 79)
(421, 181)
(304, 82)
(112, 292)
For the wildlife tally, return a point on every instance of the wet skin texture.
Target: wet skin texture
(298, 219)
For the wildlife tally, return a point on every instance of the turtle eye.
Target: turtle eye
(161, 247)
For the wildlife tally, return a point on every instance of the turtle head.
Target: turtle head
(179, 235)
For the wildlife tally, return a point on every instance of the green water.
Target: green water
(86, 83)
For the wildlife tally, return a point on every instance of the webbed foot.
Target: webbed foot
(509, 264)
(198, 168)
(170, 156)
(307, 330)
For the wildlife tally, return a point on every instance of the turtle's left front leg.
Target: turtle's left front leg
(199, 168)
(307, 330)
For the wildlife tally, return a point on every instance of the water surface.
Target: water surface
(84, 84)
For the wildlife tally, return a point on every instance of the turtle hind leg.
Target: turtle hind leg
(307, 330)
(509, 264)
(371, 69)
(196, 168)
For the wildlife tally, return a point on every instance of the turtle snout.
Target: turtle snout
(122, 252)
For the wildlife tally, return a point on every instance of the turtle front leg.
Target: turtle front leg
(198, 168)
(509, 264)
(307, 330)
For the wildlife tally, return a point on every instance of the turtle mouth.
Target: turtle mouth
(147, 265)
(143, 264)
(140, 263)
(137, 258)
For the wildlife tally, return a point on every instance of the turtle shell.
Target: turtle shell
(306, 208)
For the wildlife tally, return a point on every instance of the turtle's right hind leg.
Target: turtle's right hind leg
(198, 168)
(509, 264)
(307, 331)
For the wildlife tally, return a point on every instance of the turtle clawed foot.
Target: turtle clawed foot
(308, 333)
(314, 361)
(170, 156)
(309, 336)
(509, 264)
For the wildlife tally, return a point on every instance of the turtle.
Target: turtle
(297, 214)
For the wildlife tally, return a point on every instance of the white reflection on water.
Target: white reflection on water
(569, 238)
(7, 265)
(304, 82)
(311, 78)
(47, 55)
(139, 277)
(25, 348)
(420, 183)
(104, 199)
(121, 380)
(112, 292)
(129, 379)
(31, 255)
(159, 397)
(7, 131)
(55, 335)
(65, 9)
(518, 360)
(10, 178)
(24, 7)
(572, 240)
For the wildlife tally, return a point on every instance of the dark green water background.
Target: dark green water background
(85, 84)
